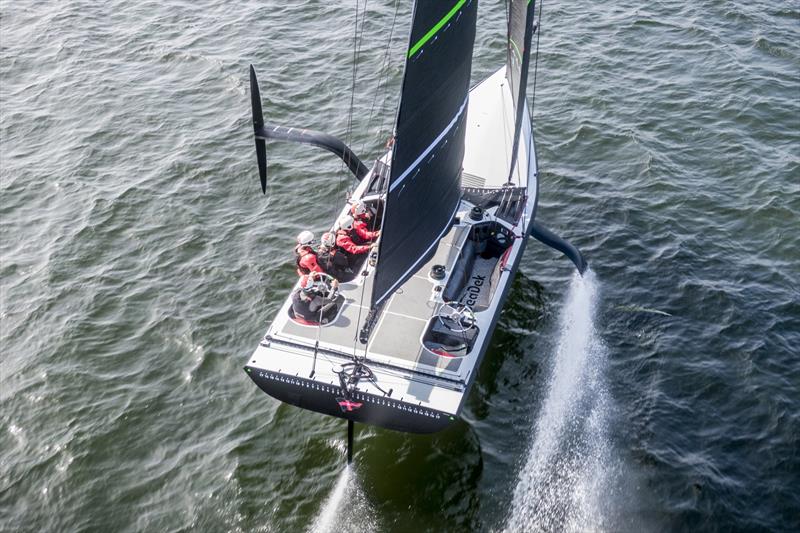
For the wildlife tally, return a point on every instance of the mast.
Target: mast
(425, 181)
(520, 32)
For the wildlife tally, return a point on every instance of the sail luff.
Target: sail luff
(425, 181)
(520, 34)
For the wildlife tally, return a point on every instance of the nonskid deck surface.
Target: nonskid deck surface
(403, 320)
(395, 352)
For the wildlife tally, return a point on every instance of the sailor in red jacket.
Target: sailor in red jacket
(344, 240)
(305, 256)
(332, 259)
(363, 222)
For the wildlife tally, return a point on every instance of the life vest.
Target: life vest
(306, 260)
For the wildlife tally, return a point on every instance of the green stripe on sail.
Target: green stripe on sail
(519, 54)
(425, 38)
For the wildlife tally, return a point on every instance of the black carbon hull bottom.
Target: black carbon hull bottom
(364, 408)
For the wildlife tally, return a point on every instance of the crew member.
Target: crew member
(332, 260)
(313, 302)
(345, 241)
(304, 255)
(362, 223)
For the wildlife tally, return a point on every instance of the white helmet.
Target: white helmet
(328, 240)
(305, 238)
(346, 222)
(359, 209)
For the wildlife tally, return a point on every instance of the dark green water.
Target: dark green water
(140, 265)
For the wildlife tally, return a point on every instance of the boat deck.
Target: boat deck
(490, 130)
(396, 338)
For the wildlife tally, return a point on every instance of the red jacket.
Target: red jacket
(345, 242)
(362, 229)
(307, 260)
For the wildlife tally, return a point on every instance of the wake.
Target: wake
(567, 472)
(346, 509)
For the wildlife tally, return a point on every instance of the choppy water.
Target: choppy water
(140, 264)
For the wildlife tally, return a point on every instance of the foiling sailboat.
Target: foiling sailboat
(455, 199)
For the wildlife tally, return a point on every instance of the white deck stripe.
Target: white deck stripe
(393, 313)
(436, 141)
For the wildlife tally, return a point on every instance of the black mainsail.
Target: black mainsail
(520, 32)
(425, 182)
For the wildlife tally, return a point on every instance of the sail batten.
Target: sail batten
(424, 187)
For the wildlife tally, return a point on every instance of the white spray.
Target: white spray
(333, 505)
(567, 472)
(346, 509)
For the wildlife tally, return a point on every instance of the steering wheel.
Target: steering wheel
(326, 285)
(457, 317)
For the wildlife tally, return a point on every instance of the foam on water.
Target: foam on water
(568, 467)
(327, 516)
(346, 509)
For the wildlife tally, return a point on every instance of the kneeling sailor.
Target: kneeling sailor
(304, 255)
(314, 302)
(345, 240)
(332, 260)
(363, 223)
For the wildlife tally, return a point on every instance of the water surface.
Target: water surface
(140, 265)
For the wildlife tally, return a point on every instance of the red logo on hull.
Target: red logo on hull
(348, 405)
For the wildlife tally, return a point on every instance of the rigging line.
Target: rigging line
(382, 85)
(322, 353)
(400, 97)
(316, 344)
(353, 80)
(386, 93)
(361, 31)
(363, 285)
(536, 61)
(358, 320)
(357, 40)
(505, 124)
(342, 182)
(349, 127)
